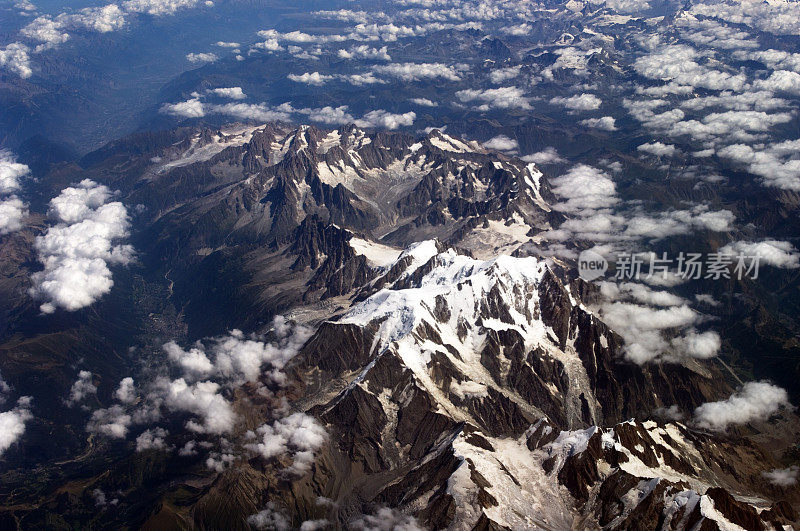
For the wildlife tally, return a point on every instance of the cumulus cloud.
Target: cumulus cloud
(192, 108)
(203, 399)
(754, 401)
(126, 392)
(14, 58)
(270, 518)
(777, 164)
(678, 63)
(639, 293)
(781, 81)
(501, 143)
(76, 252)
(363, 51)
(239, 359)
(250, 111)
(152, 439)
(82, 388)
(779, 18)
(606, 123)
(504, 74)
(329, 115)
(12, 423)
(424, 102)
(158, 7)
(360, 79)
(584, 188)
(12, 211)
(381, 119)
(628, 6)
(298, 435)
(499, 98)
(658, 149)
(643, 329)
(579, 102)
(310, 78)
(234, 93)
(419, 71)
(548, 155)
(209, 370)
(386, 519)
(770, 252)
(783, 477)
(672, 222)
(11, 172)
(112, 422)
(202, 57)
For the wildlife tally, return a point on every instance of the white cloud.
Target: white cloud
(504, 74)
(418, 71)
(202, 57)
(12, 423)
(223, 44)
(779, 18)
(548, 155)
(776, 164)
(12, 211)
(501, 143)
(363, 51)
(126, 392)
(585, 188)
(606, 123)
(360, 79)
(499, 98)
(14, 58)
(113, 422)
(329, 115)
(298, 435)
(202, 399)
(46, 31)
(11, 172)
(78, 249)
(152, 439)
(381, 119)
(309, 78)
(158, 7)
(770, 252)
(639, 293)
(579, 102)
(672, 222)
(754, 401)
(245, 111)
(82, 388)
(658, 149)
(239, 359)
(783, 477)
(424, 102)
(234, 93)
(781, 81)
(385, 519)
(643, 329)
(269, 519)
(628, 6)
(192, 108)
(678, 63)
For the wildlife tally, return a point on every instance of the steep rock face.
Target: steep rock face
(228, 207)
(461, 391)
